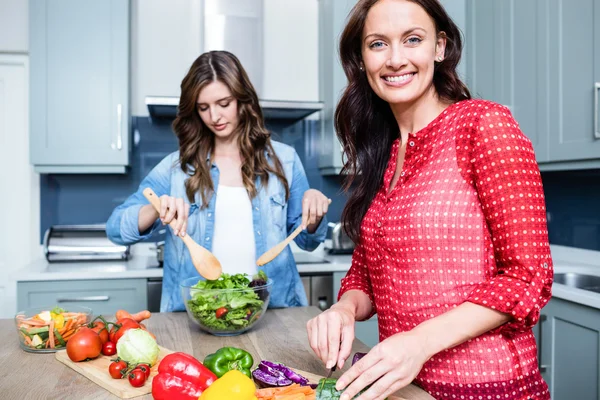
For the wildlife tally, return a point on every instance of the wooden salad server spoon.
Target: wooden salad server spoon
(205, 262)
(274, 251)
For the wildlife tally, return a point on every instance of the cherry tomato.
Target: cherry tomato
(220, 312)
(137, 377)
(83, 345)
(101, 330)
(115, 368)
(145, 368)
(109, 348)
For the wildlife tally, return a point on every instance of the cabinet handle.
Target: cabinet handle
(119, 128)
(85, 298)
(543, 367)
(596, 127)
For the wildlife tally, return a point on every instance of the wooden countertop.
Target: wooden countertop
(280, 336)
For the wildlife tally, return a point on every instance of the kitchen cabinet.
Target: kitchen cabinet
(79, 55)
(365, 331)
(21, 196)
(13, 26)
(569, 341)
(103, 296)
(520, 54)
(290, 42)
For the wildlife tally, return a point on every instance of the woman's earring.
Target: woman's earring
(439, 59)
(361, 68)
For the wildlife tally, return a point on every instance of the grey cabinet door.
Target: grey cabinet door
(104, 296)
(573, 67)
(504, 62)
(570, 339)
(79, 55)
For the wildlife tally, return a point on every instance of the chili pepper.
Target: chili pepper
(234, 385)
(229, 358)
(181, 377)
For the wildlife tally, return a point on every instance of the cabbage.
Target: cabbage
(137, 346)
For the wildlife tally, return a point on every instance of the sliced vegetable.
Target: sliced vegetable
(292, 392)
(52, 327)
(274, 374)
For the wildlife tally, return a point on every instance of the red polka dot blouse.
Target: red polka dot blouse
(465, 222)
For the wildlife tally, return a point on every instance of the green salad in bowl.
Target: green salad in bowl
(229, 305)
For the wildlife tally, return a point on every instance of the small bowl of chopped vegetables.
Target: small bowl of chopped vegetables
(229, 305)
(48, 329)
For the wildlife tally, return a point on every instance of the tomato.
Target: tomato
(137, 377)
(115, 368)
(220, 312)
(123, 325)
(109, 348)
(145, 368)
(83, 345)
(101, 330)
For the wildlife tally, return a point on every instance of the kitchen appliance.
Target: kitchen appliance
(82, 243)
(237, 26)
(340, 242)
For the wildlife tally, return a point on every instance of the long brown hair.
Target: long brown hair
(365, 123)
(196, 140)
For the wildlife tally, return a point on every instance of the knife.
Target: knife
(331, 371)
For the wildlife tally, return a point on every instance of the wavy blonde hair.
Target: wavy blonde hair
(196, 140)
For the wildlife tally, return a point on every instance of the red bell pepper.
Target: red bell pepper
(181, 377)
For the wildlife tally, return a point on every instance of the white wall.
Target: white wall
(20, 189)
(14, 25)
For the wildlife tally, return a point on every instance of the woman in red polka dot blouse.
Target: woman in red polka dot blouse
(447, 210)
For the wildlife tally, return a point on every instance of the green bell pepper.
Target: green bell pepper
(228, 358)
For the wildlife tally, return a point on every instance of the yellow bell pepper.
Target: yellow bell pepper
(234, 385)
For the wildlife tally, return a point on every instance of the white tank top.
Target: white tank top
(233, 240)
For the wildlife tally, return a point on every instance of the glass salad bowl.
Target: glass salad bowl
(228, 306)
(48, 329)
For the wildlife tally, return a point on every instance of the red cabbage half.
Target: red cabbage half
(274, 374)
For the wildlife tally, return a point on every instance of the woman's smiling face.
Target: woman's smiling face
(218, 109)
(399, 47)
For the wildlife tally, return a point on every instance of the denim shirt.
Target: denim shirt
(273, 219)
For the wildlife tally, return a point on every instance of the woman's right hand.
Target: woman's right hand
(174, 209)
(331, 333)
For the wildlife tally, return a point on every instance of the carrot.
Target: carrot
(291, 392)
(137, 317)
(27, 340)
(120, 314)
(142, 315)
(51, 334)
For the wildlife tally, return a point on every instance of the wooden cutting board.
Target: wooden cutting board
(96, 370)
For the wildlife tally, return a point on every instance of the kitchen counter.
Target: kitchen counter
(280, 336)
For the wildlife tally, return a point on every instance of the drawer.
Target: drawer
(104, 296)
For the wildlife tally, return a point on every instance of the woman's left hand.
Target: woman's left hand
(389, 366)
(314, 207)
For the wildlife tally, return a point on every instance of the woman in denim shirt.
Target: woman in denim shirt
(229, 187)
